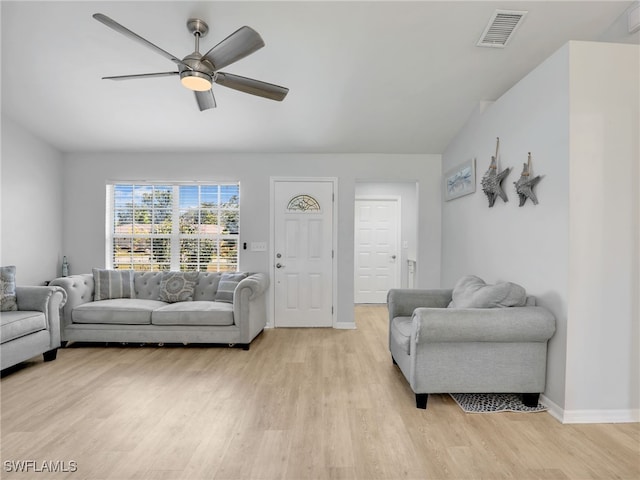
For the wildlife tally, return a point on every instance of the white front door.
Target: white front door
(303, 253)
(377, 255)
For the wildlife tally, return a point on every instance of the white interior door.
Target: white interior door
(377, 254)
(303, 253)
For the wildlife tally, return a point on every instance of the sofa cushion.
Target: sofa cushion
(401, 332)
(472, 292)
(127, 311)
(177, 286)
(194, 313)
(8, 300)
(228, 284)
(110, 284)
(16, 324)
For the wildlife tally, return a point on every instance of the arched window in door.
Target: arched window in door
(303, 203)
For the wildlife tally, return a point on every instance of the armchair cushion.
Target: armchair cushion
(8, 300)
(401, 332)
(16, 324)
(473, 292)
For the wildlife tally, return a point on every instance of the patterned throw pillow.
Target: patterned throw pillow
(227, 285)
(178, 286)
(8, 299)
(111, 284)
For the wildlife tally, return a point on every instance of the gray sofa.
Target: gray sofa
(236, 317)
(34, 328)
(444, 348)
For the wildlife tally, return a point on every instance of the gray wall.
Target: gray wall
(577, 251)
(87, 174)
(527, 245)
(32, 185)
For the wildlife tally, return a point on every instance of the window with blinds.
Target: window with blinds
(173, 227)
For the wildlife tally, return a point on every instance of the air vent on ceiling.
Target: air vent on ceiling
(500, 28)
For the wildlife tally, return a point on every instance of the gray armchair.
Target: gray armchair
(34, 328)
(468, 350)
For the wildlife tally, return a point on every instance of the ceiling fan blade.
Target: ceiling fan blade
(134, 36)
(249, 85)
(142, 75)
(239, 44)
(205, 100)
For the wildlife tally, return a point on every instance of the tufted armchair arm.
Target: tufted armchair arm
(79, 290)
(47, 300)
(514, 324)
(39, 299)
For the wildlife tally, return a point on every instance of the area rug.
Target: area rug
(493, 402)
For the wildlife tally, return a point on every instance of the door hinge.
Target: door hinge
(331, 309)
(333, 197)
(332, 253)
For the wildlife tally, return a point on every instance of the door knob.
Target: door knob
(393, 257)
(278, 265)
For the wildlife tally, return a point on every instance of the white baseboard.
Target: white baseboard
(345, 325)
(601, 416)
(337, 326)
(553, 409)
(590, 416)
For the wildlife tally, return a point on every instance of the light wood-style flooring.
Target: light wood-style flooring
(300, 404)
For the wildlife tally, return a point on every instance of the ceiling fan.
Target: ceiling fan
(198, 72)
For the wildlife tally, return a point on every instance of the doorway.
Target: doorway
(377, 244)
(385, 238)
(303, 252)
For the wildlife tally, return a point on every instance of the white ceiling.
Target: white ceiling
(384, 77)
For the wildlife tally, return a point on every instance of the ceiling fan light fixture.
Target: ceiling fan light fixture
(198, 72)
(196, 81)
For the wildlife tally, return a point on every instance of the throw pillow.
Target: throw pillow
(178, 286)
(111, 284)
(227, 285)
(473, 292)
(8, 300)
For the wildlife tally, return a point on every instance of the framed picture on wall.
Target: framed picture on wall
(460, 180)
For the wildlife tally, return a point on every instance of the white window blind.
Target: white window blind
(173, 226)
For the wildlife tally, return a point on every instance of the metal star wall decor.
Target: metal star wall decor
(524, 186)
(492, 180)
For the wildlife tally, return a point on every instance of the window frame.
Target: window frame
(175, 237)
